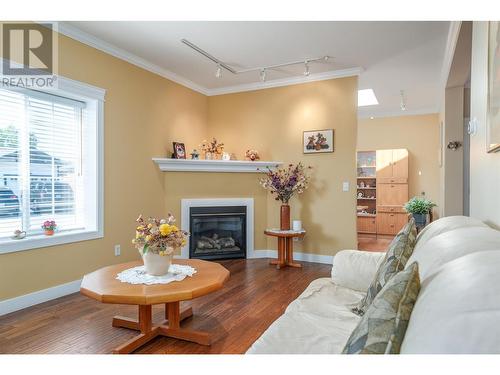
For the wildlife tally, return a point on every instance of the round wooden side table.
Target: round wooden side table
(285, 246)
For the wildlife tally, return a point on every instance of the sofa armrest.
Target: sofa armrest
(355, 269)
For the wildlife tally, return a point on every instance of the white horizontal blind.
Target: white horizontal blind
(41, 167)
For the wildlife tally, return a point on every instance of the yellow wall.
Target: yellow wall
(272, 121)
(143, 114)
(420, 135)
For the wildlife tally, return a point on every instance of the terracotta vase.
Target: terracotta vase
(155, 264)
(285, 217)
(49, 232)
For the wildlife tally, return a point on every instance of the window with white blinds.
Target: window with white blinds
(44, 139)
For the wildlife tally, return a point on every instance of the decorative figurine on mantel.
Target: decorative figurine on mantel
(213, 149)
(252, 155)
(195, 155)
(284, 183)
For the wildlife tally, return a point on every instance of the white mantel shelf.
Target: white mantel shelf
(189, 165)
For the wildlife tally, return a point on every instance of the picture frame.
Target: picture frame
(318, 141)
(179, 150)
(493, 115)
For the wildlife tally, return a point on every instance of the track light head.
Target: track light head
(306, 69)
(263, 75)
(218, 73)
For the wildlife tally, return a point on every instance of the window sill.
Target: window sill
(38, 241)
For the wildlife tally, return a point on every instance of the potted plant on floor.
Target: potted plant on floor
(284, 183)
(419, 208)
(156, 241)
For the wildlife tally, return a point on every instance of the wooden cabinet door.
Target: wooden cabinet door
(400, 165)
(384, 164)
(386, 223)
(401, 220)
(392, 194)
(367, 224)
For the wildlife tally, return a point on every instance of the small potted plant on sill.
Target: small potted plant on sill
(156, 241)
(49, 226)
(419, 208)
(284, 184)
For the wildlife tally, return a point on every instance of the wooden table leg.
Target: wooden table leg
(281, 261)
(289, 254)
(144, 325)
(170, 328)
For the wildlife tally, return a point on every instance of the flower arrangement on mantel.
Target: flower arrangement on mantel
(284, 183)
(156, 240)
(213, 149)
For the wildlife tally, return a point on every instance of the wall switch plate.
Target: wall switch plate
(118, 250)
(345, 186)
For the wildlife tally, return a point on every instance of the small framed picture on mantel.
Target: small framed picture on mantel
(318, 141)
(179, 151)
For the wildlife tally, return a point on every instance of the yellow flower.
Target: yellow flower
(140, 227)
(183, 243)
(150, 226)
(148, 238)
(166, 229)
(138, 234)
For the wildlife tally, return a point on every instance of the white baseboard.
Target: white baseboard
(303, 257)
(17, 303)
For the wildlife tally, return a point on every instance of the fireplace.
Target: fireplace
(218, 232)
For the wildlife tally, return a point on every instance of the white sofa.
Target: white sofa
(457, 310)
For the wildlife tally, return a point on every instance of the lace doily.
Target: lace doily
(138, 275)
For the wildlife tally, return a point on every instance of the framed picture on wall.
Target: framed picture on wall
(493, 116)
(179, 150)
(318, 141)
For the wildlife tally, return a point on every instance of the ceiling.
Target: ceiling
(393, 56)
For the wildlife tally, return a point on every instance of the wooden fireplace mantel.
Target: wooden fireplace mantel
(189, 165)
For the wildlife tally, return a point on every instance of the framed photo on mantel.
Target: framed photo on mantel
(318, 141)
(493, 115)
(179, 150)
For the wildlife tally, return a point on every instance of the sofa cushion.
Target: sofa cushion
(451, 245)
(446, 224)
(319, 321)
(356, 269)
(396, 257)
(458, 308)
(383, 326)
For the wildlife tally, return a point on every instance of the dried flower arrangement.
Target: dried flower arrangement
(285, 182)
(212, 147)
(160, 237)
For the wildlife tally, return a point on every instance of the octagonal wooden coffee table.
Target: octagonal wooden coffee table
(103, 286)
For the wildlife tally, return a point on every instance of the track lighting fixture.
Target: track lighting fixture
(263, 69)
(403, 100)
(306, 70)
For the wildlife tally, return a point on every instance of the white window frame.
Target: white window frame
(94, 99)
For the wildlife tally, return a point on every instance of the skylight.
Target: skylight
(366, 97)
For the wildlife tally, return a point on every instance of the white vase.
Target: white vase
(157, 265)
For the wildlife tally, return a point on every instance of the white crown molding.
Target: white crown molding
(332, 74)
(92, 41)
(399, 113)
(449, 52)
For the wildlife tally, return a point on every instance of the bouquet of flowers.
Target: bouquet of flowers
(212, 147)
(286, 182)
(158, 236)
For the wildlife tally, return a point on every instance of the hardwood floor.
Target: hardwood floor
(372, 244)
(255, 295)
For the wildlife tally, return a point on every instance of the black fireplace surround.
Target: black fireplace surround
(218, 232)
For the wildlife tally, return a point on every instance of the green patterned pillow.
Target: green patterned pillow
(383, 327)
(397, 255)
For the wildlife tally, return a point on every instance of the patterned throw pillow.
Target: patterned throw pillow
(383, 327)
(397, 255)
